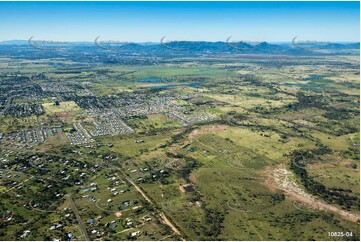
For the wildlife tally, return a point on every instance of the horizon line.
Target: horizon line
(195, 41)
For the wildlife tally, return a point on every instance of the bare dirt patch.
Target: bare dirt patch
(186, 188)
(88, 119)
(280, 178)
(64, 116)
(207, 129)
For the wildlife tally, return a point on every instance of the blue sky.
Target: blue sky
(150, 21)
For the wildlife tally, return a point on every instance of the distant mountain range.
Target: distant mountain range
(181, 47)
(328, 45)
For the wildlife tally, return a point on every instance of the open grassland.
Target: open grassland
(284, 139)
(52, 108)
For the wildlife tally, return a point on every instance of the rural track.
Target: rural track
(75, 210)
(17, 185)
(162, 215)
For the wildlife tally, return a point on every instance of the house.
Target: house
(25, 234)
(134, 234)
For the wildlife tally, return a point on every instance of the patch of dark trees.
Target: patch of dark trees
(23, 110)
(331, 195)
(290, 221)
(213, 220)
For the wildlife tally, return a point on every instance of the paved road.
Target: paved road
(75, 210)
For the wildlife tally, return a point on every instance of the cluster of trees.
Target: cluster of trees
(306, 101)
(23, 110)
(213, 222)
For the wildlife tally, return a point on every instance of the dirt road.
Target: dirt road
(75, 210)
(162, 215)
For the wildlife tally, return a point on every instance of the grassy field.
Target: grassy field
(266, 114)
(71, 107)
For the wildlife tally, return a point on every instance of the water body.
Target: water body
(150, 80)
(313, 78)
(314, 83)
(304, 86)
(194, 85)
(166, 86)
